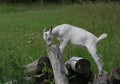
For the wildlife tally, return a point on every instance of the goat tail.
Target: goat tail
(104, 35)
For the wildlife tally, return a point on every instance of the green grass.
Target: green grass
(20, 24)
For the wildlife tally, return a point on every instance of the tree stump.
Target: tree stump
(58, 65)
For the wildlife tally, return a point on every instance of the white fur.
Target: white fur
(76, 36)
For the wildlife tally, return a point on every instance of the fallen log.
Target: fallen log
(37, 71)
(37, 66)
(78, 65)
(31, 68)
(101, 79)
(81, 72)
(80, 69)
(57, 65)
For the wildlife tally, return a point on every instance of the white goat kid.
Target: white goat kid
(76, 36)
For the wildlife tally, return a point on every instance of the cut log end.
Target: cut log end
(83, 66)
(78, 65)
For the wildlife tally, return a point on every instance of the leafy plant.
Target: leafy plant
(46, 70)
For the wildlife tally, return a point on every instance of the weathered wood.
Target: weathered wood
(80, 68)
(115, 76)
(101, 79)
(44, 62)
(57, 65)
(36, 66)
(34, 72)
(78, 65)
(31, 68)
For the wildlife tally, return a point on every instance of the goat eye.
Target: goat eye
(49, 39)
(45, 34)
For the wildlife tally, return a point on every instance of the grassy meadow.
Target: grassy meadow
(21, 29)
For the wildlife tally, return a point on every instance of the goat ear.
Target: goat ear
(51, 28)
(44, 29)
